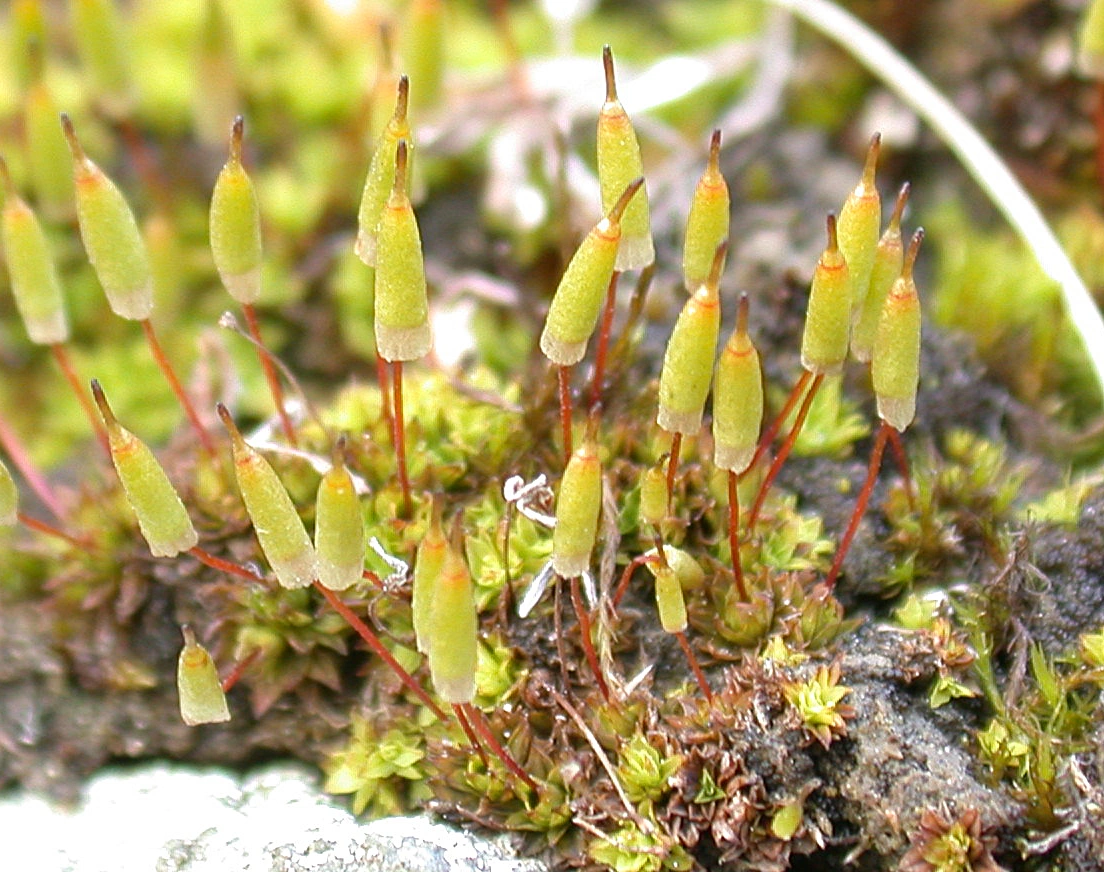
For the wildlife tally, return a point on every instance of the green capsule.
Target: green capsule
(9, 497)
(737, 398)
(34, 278)
(280, 530)
(236, 225)
(689, 572)
(202, 700)
(578, 506)
(110, 235)
(339, 537)
(578, 300)
(402, 305)
(453, 638)
(48, 161)
(858, 226)
(99, 33)
(427, 567)
(217, 90)
(707, 224)
(379, 185)
(669, 600)
(887, 266)
(162, 518)
(619, 163)
(895, 366)
(1090, 42)
(828, 318)
(423, 50)
(688, 362)
(654, 496)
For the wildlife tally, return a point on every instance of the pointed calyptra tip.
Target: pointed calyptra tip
(742, 310)
(338, 455)
(386, 44)
(611, 80)
(402, 100)
(101, 403)
(228, 422)
(715, 151)
(714, 280)
(189, 635)
(910, 255)
(71, 137)
(899, 206)
(6, 179)
(833, 242)
(622, 203)
(237, 133)
(870, 167)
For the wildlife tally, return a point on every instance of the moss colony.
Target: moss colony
(549, 577)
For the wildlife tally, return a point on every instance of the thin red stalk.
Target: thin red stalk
(1098, 120)
(372, 577)
(385, 393)
(603, 342)
(466, 726)
(860, 504)
(698, 674)
(557, 630)
(672, 467)
(22, 460)
(563, 374)
(768, 435)
(588, 645)
(378, 647)
(235, 674)
(899, 455)
(270, 374)
(174, 384)
(785, 450)
(66, 366)
(221, 565)
(484, 730)
(398, 428)
(626, 577)
(733, 533)
(50, 530)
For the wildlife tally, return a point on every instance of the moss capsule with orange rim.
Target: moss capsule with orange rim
(402, 306)
(828, 317)
(428, 561)
(578, 506)
(688, 362)
(162, 518)
(339, 537)
(858, 227)
(707, 224)
(235, 225)
(575, 307)
(280, 530)
(202, 700)
(737, 398)
(34, 277)
(888, 259)
(9, 497)
(619, 163)
(453, 633)
(895, 365)
(380, 181)
(111, 236)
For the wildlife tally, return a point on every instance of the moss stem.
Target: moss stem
(35, 479)
(583, 615)
(174, 384)
(860, 504)
(398, 428)
(693, 661)
(65, 364)
(734, 533)
(603, 342)
(271, 376)
(563, 374)
(484, 730)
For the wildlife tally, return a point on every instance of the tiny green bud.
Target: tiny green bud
(895, 366)
(578, 505)
(236, 225)
(860, 221)
(707, 224)
(280, 530)
(202, 700)
(654, 496)
(888, 258)
(380, 181)
(577, 303)
(428, 562)
(9, 497)
(110, 235)
(453, 630)
(34, 278)
(669, 600)
(162, 518)
(737, 398)
(100, 35)
(828, 318)
(619, 163)
(339, 537)
(688, 362)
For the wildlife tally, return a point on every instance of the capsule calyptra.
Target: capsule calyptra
(860, 221)
(453, 641)
(339, 537)
(202, 700)
(235, 225)
(380, 181)
(654, 496)
(707, 224)
(162, 518)
(280, 530)
(578, 506)
(828, 317)
(895, 366)
(619, 162)
(737, 398)
(428, 562)
(888, 259)
(575, 307)
(669, 600)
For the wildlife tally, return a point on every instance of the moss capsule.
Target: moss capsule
(380, 182)
(575, 307)
(34, 278)
(453, 630)
(280, 530)
(202, 700)
(654, 497)
(339, 537)
(162, 518)
(1090, 42)
(689, 572)
(402, 306)
(895, 366)
(110, 235)
(828, 318)
(235, 225)
(669, 600)
(578, 506)
(428, 562)
(619, 163)
(888, 259)
(9, 497)
(858, 226)
(707, 224)
(48, 161)
(737, 398)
